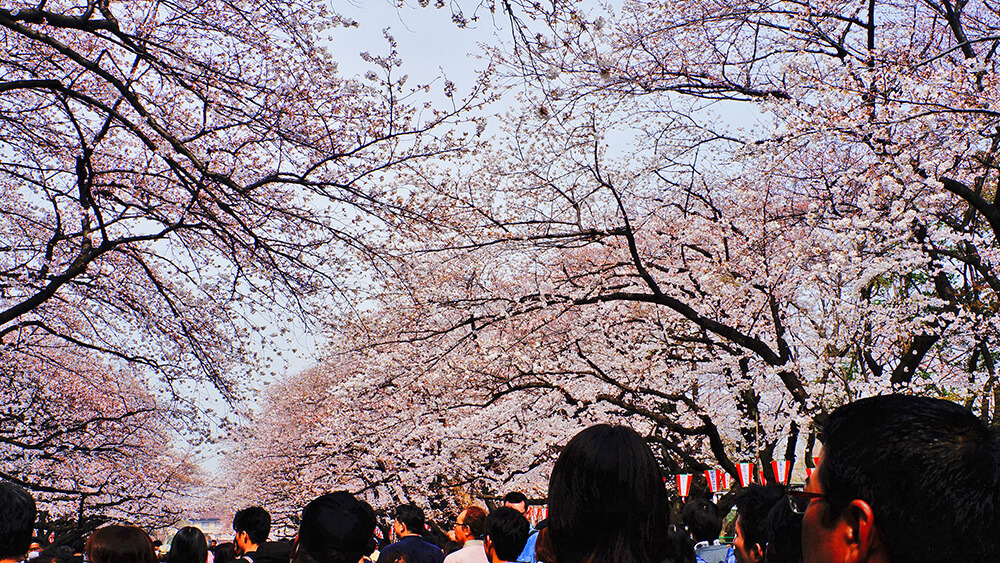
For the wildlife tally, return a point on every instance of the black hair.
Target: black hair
(17, 520)
(255, 521)
(752, 506)
(681, 544)
(929, 470)
(120, 544)
(412, 517)
(336, 527)
(784, 535)
(702, 519)
(607, 500)
(475, 519)
(515, 497)
(507, 530)
(188, 546)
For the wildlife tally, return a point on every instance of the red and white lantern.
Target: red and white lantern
(746, 474)
(727, 479)
(684, 484)
(712, 476)
(782, 470)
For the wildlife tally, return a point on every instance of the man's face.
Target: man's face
(521, 507)
(744, 553)
(241, 542)
(461, 529)
(817, 539)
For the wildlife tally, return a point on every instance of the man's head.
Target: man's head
(517, 501)
(409, 519)
(702, 519)
(904, 479)
(752, 508)
(506, 533)
(17, 519)
(252, 525)
(335, 528)
(470, 524)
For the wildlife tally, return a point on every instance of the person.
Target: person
(903, 479)
(752, 507)
(252, 526)
(188, 546)
(703, 521)
(335, 528)
(469, 530)
(517, 501)
(120, 544)
(408, 525)
(784, 535)
(17, 520)
(506, 532)
(607, 500)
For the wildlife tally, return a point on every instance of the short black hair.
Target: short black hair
(411, 516)
(507, 530)
(752, 507)
(784, 535)
(702, 519)
(17, 520)
(337, 527)
(515, 497)
(255, 521)
(928, 468)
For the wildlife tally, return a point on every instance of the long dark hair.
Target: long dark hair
(607, 500)
(188, 546)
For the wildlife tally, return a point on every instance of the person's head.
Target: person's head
(336, 528)
(681, 544)
(120, 544)
(252, 525)
(904, 479)
(784, 535)
(470, 524)
(517, 501)
(188, 546)
(702, 519)
(409, 519)
(17, 520)
(752, 507)
(607, 500)
(506, 533)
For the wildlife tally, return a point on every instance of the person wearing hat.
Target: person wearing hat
(335, 528)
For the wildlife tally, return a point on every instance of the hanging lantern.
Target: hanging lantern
(684, 484)
(782, 470)
(746, 474)
(712, 476)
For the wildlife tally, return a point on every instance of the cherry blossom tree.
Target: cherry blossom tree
(712, 225)
(182, 182)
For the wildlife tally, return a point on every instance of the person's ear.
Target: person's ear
(857, 529)
(488, 547)
(756, 553)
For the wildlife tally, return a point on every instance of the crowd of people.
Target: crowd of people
(900, 479)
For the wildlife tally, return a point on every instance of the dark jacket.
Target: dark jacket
(417, 549)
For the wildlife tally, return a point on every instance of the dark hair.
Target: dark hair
(475, 519)
(255, 521)
(702, 519)
(681, 545)
(17, 520)
(336, 527)
(412, 517)
(752, 506)
(507, 530)
(188, 546)
(224, 552)
(120, 544)
(607, 501)
(515, 497)
(784, 535)
(915, 460)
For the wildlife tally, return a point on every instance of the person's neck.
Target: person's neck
(409, 534)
